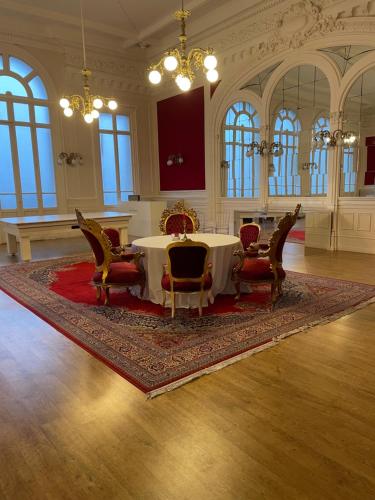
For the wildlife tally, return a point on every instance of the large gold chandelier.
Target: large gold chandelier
(87, 104)
(182, 65)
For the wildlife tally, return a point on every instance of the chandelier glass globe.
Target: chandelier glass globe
(68, 112)
(154, 77)
(97, 103)
(170, 63)
(210, 62)
(183, 82)
(88, 118)
(64, 102)
(95, 114)
(212, 75)
(112, 105)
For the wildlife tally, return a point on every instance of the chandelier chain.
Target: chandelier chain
(83, 35)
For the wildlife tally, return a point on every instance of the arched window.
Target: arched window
(286, 181)
(319, 157)
(27, 178)
(240, 173)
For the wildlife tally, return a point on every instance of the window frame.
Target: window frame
(130, 113)
(10, 100)
(279, 136)
(238, 184)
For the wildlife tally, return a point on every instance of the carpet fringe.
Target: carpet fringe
(208, 370)
(276, 340)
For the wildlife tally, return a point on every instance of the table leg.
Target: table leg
(25, 248)
(123, 235)
(11, 244)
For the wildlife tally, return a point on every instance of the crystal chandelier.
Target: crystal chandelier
(87, 104)
(336, 138)
(182, 65)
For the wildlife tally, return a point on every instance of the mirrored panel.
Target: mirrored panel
(298, 164)
(357, 160)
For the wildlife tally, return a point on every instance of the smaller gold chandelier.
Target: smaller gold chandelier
(275, 149)
(88, 104)
(182, 65)
(336, 138)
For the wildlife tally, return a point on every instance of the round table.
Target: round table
(220, 256)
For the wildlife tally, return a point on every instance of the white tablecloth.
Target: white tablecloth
(220, 256)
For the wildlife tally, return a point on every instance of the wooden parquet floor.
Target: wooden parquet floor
(294, 422)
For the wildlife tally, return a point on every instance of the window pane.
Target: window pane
(26, 160)
(47, 175)
(49, 201)
(21, 112)
(110, 198)
(6, 162)
(9, 84)
(41, 114)
(125, 162)
(1, 62)
(107, 151)
(123, 124)
(8, 202)
(19, 67)
(30, 201)
(3, 111)
(105, 121)
(37, 88)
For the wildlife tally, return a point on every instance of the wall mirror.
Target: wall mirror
(299, 109)
(357, 160)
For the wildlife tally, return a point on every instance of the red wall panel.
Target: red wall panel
(370, 174)
(181, 130)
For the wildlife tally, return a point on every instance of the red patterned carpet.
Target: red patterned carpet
(141, 342)
(296, 236)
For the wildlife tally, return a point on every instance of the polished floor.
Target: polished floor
(294, 422)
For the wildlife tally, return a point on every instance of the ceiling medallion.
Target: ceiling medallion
(181, 65)
(87, 104)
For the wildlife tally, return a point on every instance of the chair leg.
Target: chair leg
(98, 293)
(237, 284)
(200, 302)
(280, 288)
(172, 304)
(106, 300)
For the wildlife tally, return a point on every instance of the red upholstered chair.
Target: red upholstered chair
(113, 268)
(249, 233)
(264, 263)
(187, 271)
(173, 220)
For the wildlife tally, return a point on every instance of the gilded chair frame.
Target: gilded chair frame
(250, 224)
(168, 269)
(93, 227)
(178, 209)
(260, 250)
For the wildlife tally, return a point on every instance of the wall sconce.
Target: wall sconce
(176, 159)
(70, 159)
(275, 149)
(224, 164)
(308, 165)
(336, 138)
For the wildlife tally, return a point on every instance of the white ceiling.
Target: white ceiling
(117, 24)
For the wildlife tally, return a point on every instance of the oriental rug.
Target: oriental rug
(141, 342)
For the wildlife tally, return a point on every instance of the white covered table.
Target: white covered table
(31, 227)
(221, 257)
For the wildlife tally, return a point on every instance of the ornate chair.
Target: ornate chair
(113, 268)
(262, 263)
(249, 233)
(174, 219)
(187, 271)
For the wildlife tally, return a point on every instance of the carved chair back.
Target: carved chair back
(98, 240)
(249, 233)
(187, 261)
(172, 219)
(278, 238)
